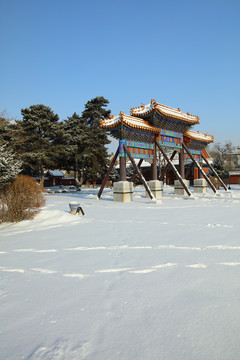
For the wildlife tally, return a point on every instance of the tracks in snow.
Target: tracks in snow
(133, 270)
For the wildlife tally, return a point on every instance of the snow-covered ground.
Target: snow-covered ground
(140, 280)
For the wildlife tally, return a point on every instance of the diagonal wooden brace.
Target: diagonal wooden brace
(138, 172)
(174, 169)
(189, 170)
(215, 173)
(200, 169)
(108, 173)
(167, 166)
(135, 173)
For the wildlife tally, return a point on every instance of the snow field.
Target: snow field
(126, 281)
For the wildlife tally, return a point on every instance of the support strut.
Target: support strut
(138, 172)
(167, 166)
(200, 169)
(189, 170)
(174, 169)
(108, 173)
(215, 173)
(135, 173)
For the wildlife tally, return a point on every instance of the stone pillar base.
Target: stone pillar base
(200, 186)
(156, 188)
(123, 191)
(178, 188)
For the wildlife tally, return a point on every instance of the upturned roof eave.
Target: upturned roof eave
(143, 111)
(130, 122)
(197, 136)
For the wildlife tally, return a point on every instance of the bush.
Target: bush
(20, 200)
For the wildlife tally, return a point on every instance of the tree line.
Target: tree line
(224, 158)
(41, 141)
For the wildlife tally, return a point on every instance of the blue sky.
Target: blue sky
(62, 53)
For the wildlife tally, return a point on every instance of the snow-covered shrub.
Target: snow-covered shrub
(10, 167)
(20, 200)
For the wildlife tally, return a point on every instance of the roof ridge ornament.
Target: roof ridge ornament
(121, 114)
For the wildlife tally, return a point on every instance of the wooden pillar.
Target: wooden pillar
(154, 164)
(196, 173)
(181, 164)
(123, 173)
(122, 157)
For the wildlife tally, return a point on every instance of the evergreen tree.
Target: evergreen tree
(219, 166)
(77, 138)
(4, 128)
(224, 158)
(94, 156)
(39, 125)
(11, 135)
(10, 167)
(63, 151)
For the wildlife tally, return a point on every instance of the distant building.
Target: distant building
(57, 178)
(232, 161)
(234, 175)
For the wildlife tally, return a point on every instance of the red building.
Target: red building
(234, 177)
(56, 178)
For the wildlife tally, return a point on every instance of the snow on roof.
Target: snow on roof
(198, 136)
(144, 164)
(145, 110)
(128, 120)
(55, 173)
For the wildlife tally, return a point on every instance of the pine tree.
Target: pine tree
(10, 167)
(94, 156)
(77, 138)
(39, 125)
(63, 151)
(219, 166)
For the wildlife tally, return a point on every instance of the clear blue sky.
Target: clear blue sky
(62, 53)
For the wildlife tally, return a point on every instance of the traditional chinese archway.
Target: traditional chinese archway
(140, 134)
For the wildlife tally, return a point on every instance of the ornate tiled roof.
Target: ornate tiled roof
(130, 121)
(145, 110)
(193, 135)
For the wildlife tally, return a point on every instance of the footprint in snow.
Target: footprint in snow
(218, 225)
